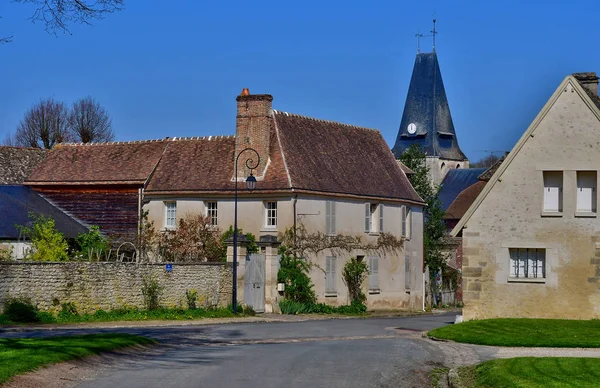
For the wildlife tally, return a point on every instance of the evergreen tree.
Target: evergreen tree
(434, 231)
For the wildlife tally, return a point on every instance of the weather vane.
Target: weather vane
(418, 35)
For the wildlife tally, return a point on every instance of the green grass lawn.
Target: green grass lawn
(560, 333)
(547, 372)
(20, 355)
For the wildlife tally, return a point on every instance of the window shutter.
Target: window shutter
(408, 222)
(332, 208)
(380, 218)
(328, 217)
(403, 221)
(407, 272)
(367, 217)
(333, 274)
(586, 190)
(374, 276)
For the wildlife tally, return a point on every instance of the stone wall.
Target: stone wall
(108, 286)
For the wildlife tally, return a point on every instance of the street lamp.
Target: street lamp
(250, 184)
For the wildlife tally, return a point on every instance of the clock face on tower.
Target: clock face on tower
(412, 128)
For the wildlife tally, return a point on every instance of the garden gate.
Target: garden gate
(254, 287)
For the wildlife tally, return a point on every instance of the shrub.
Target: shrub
(355, 307)
(92, 243)
(192, 297)
(250, 248)
(152, 291)
(248, 310)
(48, 243)
(194, 239)
(67, 310)
(293, 307)
(294, 273)
(21, 310)
(6, 253)
(355, 272)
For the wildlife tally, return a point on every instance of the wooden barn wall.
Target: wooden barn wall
(114, 210)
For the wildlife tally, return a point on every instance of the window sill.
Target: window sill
(374, 291)
(551, 214)
(586, 214)
(373, 233)
(331, 294)
(268, 229)
(526, 280)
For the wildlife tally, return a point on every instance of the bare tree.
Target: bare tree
(44, 125)
(89, 122)
(9, 140)
(487, 161)
(58, 15)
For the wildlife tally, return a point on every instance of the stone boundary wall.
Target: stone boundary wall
(108, 286)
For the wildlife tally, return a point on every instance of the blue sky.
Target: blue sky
(174, 68)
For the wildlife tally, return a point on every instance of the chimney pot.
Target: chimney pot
(245, 92)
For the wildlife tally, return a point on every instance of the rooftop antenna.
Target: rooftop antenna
(419, 36)
(434, 32)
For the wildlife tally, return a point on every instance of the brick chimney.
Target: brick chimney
(589, 81)
(253, 129)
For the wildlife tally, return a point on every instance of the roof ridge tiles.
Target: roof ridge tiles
(79, 144)
(23, 148)
(323, 120)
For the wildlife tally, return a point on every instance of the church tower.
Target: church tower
(427, 121)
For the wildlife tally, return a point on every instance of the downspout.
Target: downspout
(295, 200)
(423, 255)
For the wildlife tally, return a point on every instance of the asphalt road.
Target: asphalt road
(324, 353)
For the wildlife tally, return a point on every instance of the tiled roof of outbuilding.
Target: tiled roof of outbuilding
(118, 162)
(16, 163)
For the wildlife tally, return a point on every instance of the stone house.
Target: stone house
(530, 241)
(331, 177)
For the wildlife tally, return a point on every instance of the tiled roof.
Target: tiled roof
(330, 157)
(455, 181)
(406, 170)
(16, 202)
(463, 201)
(16, 163)
(119, 162)
(206, 165)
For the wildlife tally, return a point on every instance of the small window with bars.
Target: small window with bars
(330, 270)
(171, 215)
(527, 263)
(211, 212)
(271, 214)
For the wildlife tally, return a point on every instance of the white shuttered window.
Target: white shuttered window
(407, 272)
(380, 217)
(553, 188)
(330, 217)
(330, 274)
(374, 275)
(586, 191)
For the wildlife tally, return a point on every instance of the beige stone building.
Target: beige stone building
(333, 178)
(531, 239)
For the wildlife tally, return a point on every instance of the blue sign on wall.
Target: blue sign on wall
(169, 267)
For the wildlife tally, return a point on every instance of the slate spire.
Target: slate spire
(426, 119)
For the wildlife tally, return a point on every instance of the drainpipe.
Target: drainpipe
(294, 201)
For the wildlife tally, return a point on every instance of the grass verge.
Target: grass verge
(130, 315)
(20, 355)
(548, 372)
(560, 333)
